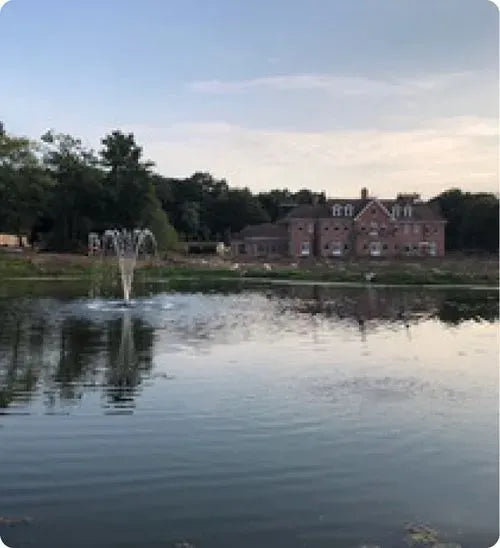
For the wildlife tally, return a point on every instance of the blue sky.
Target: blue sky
(331, 95)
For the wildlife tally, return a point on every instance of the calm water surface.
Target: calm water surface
(231, 415)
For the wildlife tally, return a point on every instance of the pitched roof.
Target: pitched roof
(421, 211)
(308, 211)
(264, 230)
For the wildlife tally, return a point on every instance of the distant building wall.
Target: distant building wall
(11, 240)
(302, 237)
(365, 227)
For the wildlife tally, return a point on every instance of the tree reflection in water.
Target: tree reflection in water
(63, 357)
(130, 358)
(68, 358)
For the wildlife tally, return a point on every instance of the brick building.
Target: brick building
(359, 227)
(264, 240)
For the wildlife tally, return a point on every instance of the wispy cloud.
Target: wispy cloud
(335, 84)
(3, 3)
(461, 151)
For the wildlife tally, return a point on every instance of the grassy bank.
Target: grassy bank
(448, 271)
(394, 275)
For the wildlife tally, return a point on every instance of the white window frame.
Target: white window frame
(375, 249)
(407, 210)
(432, 249)
(348, 210)
(396, 211)
(374, 228)
(337, 210)
(305, 248)
(336, 248)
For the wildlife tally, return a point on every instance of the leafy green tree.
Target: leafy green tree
(132, 189)
(128, 182)
(472, 220)
(236, 209)
(23, 184)
(76, 205)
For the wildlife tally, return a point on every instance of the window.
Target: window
(407, 248)
(365, 247)
(375, 249)
(300, 228)
(336, 248)
(242, 249)
(407, 211)
(363, 228)
(346, 227)
(416, 229)
(346, 247)
(326, 246)
(336, 227)
(384, 246)
(374, 211)
(311, 228)
(305, 249)
(348, 210)
(326, 228)
(396, 211)
(373, 229)
(432, 248)
(337, 210)
(406, 229)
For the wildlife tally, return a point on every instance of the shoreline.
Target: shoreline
(451, 272)
(269, 281)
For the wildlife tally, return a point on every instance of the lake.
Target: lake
(221, 414)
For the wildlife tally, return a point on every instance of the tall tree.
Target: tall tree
(472, 219)
(130, 188)
(76, 205)
(23, 184)
(129, 185)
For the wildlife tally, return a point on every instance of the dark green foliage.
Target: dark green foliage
(472, 220)
(24, 185)
(59, 190)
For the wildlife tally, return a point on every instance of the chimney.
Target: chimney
(364, 193)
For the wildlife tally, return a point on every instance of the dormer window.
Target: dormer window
(337, 210)
(396, 211)
(407, 211)
(348, 210)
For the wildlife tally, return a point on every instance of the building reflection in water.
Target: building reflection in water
(53, 359)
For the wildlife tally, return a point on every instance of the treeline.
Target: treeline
(56, 191)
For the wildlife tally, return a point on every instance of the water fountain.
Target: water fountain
(127, 244)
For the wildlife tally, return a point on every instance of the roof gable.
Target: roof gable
(371, 203)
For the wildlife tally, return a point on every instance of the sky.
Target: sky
(394, 95)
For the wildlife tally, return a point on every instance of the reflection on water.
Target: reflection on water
(225, 414)
(66, 357)
(65, 347)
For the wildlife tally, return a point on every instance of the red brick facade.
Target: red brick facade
(365, 227)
